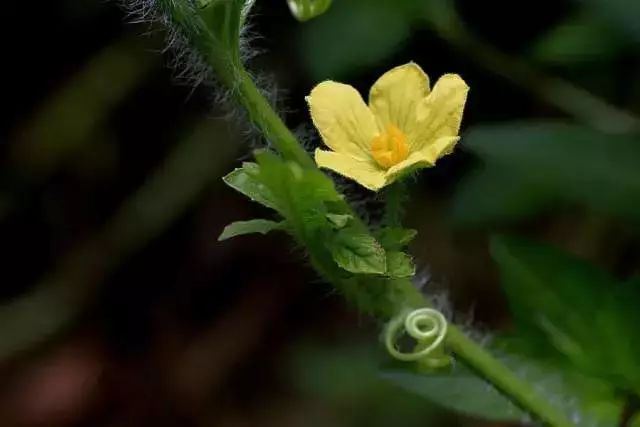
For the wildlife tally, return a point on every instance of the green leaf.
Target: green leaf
(339, 220)
(569, 309)
(245, 180)
(393, 238)
(622, 14)
(374, 30)
(495, 194)
(581, 38)
(240, 228)
(357, 252)
(551, 163)
(460, 391)
(400, 265)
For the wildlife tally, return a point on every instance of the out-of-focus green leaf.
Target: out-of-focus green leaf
(400, 265)
(587, 401)
(495, 194)
(528, 165)
(240, 228)
(358, 252)
(623, 14)
(568, 308)
(460, 391)
(581, 38)
(353, 34)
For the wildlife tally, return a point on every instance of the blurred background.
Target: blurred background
(119, 306)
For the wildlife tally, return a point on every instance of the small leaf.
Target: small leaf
(338, 220)
(244, 180)
(400, 265)
(460, 391)
(395, 238)
(241, 228)
(358, 252)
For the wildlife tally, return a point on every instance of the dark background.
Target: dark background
(120, 308)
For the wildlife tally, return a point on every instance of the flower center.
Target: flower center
(390, 147)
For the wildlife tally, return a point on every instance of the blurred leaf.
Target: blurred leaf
(400, 265)
(581, 38)
(623, 14)
(352, 35)
(240, 228)
(529, 165)
(495, 194)
(346, 377)
(460, 391)
(358, 252)
(395, 238)
(569, 308)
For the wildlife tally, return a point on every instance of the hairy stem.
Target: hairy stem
(268, 121)
(395, 195)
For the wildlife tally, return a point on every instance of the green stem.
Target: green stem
(273, 128)
(492, 370)
(395, 196)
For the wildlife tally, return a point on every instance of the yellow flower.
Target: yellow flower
(404, 127)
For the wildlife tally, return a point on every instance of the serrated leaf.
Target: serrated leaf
(240, 228)
(460, 391)
(245, 181)
(400, 265)
(393, 238)
(358, 252)
(572, 310)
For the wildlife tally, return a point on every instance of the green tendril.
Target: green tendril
(428, 327)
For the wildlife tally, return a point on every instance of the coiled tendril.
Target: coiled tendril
(428, 327)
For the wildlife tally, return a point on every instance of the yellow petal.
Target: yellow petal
(343, 119)
(424, 158)
(439, 148)
(415, 161)
(440, 113)
(394, 97)
(365, 172)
